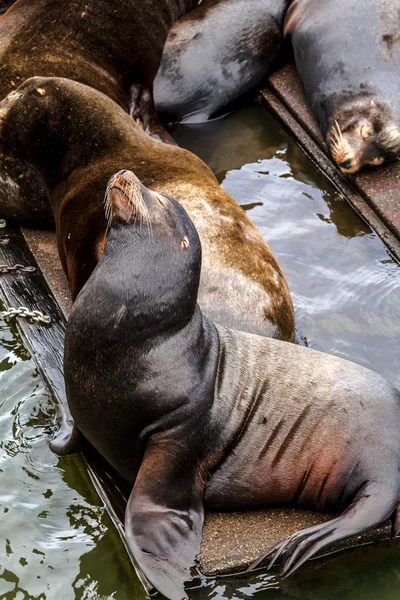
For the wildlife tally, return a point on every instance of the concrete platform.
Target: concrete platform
(231, 541)
(373, 193)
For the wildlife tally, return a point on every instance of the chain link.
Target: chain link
(7, 268)
(32, 315)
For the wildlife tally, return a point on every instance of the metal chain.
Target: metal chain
(7, 268)
(35, 316)
(32, 315)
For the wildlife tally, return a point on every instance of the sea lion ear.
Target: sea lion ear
(164, 518)
(366, 129)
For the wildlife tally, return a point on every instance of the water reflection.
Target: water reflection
(55, 538)
(367, 574)
(345, 286)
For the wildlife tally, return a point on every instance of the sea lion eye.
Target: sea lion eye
(184, 243)
(12, 95)
(41, 91)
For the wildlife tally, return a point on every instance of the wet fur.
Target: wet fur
(98, 43)
(241, 286)
(216, 55)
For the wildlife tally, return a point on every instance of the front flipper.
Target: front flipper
(164, 517)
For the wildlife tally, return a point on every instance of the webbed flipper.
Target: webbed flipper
(164, 517)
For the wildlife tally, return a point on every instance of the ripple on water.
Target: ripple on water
(55, 540)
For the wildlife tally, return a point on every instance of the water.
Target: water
(345, 287)
(56, 541)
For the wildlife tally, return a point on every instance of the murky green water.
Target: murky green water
(56, 541)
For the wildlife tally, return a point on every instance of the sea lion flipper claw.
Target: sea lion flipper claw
(164, 519)
(143, 112)
(372, 506)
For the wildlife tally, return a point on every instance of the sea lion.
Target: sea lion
(77, 138)
(348, 58)
(193, 414)
(216, 55)
(115, 47)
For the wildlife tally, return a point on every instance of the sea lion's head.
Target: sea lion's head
(59, 125)
(152, 254)
(29, 116)
(363, 133)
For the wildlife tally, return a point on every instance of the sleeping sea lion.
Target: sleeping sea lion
(348, 57)
(217, 55)
(115, 47)
(77, 138)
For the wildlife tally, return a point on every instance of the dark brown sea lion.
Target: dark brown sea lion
(78, 138)
(216, 55)
(348, 57)
(193, 414)
(115, 47)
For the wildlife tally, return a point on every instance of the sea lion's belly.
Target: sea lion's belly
(284, 459)
(304, 424)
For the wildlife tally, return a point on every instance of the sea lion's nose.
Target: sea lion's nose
(346, 164)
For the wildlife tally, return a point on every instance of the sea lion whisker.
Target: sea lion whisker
(339, 132)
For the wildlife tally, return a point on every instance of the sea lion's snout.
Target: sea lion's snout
(346, 147)
(128, 200)
(364, 135)
(124, 197)
(7, 102)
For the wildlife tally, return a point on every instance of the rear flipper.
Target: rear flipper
(372, 506)
(143, 112)
(164, 517)
(68, 439)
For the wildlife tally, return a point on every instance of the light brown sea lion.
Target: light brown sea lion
(77, 138)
